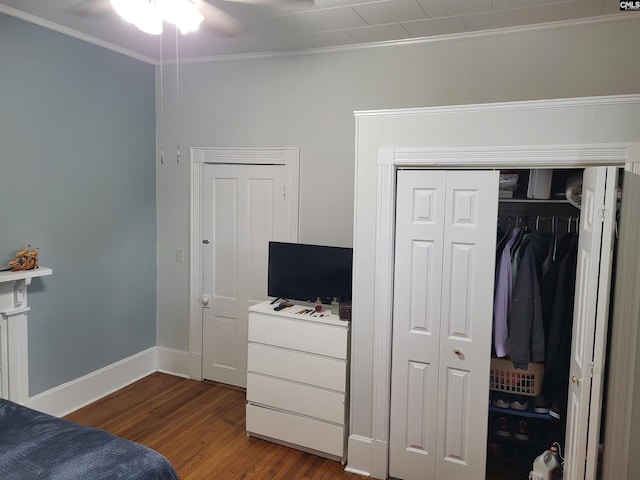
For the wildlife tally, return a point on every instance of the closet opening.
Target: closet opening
(539, 214)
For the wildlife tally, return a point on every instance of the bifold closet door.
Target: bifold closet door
(591, 312)
(443, 302)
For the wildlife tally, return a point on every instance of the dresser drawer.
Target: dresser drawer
(304, 335)
(294, 429)
(295, 397)
(301, 367)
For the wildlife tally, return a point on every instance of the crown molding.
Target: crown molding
(74, 33)
(618, 17)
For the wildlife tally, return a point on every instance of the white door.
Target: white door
(420, 202)
(244, 207)
(443, 301)
(591, 310)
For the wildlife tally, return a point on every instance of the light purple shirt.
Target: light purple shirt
(502, 297)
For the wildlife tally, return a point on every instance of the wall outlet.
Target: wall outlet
(179, 255)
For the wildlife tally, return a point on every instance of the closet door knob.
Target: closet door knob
(575, 380)
(458, 351)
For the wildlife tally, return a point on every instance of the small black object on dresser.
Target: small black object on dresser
(345, 311)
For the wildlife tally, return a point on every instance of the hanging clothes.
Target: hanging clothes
(502, 296)
(558, 355)
(517, 250)
(553, 244)
(550, 284)
(526, 328)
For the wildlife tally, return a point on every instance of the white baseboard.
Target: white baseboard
(379, 459)
(359, 458)
(195, 366)
(77, 393)
(173, 362)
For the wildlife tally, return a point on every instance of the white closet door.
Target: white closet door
(471, 215)
(597, 216)
(445, 248)
(420, 207)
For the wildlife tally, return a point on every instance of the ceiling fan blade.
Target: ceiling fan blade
(91, 8)
(219, 21)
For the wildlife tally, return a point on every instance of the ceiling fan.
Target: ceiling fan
(187, 15)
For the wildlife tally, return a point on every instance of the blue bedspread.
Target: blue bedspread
(34, 445)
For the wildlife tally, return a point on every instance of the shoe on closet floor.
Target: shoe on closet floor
(540, 404)
(522, 431)
(503, 429)
(554, 411)
(500, 400)
(519, 402)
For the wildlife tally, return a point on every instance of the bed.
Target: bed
(34, 445)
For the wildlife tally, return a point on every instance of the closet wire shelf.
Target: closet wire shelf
(503, 377)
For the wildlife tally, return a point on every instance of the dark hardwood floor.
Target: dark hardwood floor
(200, 428)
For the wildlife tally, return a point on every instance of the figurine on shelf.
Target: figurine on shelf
(26, 259)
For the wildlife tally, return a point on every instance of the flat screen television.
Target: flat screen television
(304, 272)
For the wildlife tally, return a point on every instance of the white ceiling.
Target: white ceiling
(300, 24)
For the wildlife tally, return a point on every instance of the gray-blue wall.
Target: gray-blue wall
(77, 178)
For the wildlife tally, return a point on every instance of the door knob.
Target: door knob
(205, 300)
(575, 380)
(458, 351)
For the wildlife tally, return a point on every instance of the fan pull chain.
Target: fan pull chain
(161, 107)
(177, 96)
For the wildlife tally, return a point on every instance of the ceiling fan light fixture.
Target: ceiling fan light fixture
(130, 10)
(182, 13)
(191, 21)
(150, 23)
(148, 15)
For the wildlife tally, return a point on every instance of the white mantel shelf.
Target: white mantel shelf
(14, 356)
(24, 274)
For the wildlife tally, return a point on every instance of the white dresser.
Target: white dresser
(297, 379)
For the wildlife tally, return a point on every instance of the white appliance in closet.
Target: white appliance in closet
(442, 319)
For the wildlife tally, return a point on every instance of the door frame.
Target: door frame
(493, 157)
(623, 335)
(201, 156)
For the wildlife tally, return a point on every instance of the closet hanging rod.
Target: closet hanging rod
(569, 221)
(538, 218)
(514, 217)
(516, 220)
